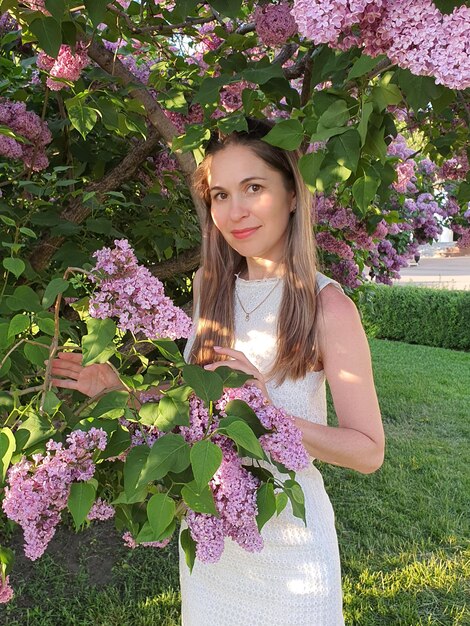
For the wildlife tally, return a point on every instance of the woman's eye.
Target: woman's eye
(254, 187)
(220, 195)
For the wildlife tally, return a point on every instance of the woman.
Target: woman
(261, 307)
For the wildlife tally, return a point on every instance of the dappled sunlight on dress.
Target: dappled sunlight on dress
(295, 580)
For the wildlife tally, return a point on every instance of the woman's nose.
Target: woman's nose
(238, 208)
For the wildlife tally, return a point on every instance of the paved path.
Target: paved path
(443, 272)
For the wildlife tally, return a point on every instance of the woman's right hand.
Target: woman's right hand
(91, 380)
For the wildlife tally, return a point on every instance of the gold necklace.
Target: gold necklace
(248, 313)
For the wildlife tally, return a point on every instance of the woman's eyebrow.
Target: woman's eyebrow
(242, 182)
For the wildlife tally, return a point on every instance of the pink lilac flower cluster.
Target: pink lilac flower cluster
(101, 511)
(67, 66)
(234, 491)
(6, 592)
(37, 5)
(455, 168)
(37, 491)
(129, 291)
(414, 35)
(274, 23)
(28, 125)
(231, 95)
(284, 441)
(385, 262)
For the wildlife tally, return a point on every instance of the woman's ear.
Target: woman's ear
(293, 204)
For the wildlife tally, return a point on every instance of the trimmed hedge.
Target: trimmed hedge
(431, 317)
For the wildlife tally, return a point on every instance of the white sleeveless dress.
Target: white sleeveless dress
(295, 580)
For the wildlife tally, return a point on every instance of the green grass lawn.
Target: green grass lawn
(402, 530)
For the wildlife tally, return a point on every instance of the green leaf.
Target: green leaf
(346, 149)
(35, 354)
(296, 496)
(98, 343)
(336, 114)
(46, 323)
(189, 548)
(364, 190)
(119, 441)
(206, 458)
(367, 109)
(463, 195)
(24, 299)
(5, 219)
(266, 503)
(14, 265)
(49, 35)
(148, 413)
(56, 8)
(18, 324)
(262, 72)
(135, 462)
(385, 94)
(375, 143)
(33, 430)
(192, 139)
(281, 502)
(169, 350)
(170, 453)
(7, 447)
(81, 498)
(209, 90)
(364, 65)
(96, 11)
(51, 403)
(83, 118)
(172, 412)
(56, 286)
(7, 559)
(201, 501)
(241, 410)
(309, 165)
(419, 91)
(287, 134)
(112, 405)
(231, 377)
(28, 232)
(229, 8)
(160, 512)
(243, 436)
(206, 384)
(324, 134)
(147, 533)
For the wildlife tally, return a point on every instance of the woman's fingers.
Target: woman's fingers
(75, 357)
(66, 369)
(65, 384)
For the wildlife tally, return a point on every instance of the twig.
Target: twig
(246, 28)
(23, 392)
(162, 29)
(55, 339)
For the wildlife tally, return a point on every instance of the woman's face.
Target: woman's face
(250, 204)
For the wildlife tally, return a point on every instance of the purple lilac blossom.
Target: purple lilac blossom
(129, 291)
(37, 491)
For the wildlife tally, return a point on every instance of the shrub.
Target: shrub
(431, 317)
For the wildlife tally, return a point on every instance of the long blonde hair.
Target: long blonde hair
(297, 350)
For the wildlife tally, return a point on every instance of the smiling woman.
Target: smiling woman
(261, 307)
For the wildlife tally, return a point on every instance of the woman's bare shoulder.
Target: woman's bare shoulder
(339, 322)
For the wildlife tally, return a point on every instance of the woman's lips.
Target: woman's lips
(244, 233)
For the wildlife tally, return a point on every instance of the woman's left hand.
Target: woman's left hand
(238, 361)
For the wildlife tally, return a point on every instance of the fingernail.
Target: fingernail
(217, 348)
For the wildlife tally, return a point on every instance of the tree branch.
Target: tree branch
(77, 212)
(160, 29)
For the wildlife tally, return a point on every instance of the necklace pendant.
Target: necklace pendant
(247, 317)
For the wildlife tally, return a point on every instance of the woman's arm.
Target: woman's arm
(358, 441)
